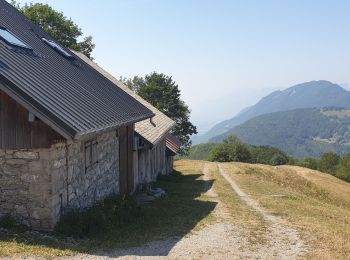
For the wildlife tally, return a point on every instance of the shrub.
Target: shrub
(268, 155)
(310, 163)
(278, 159)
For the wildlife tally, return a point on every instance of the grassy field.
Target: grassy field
(316, 204)
(313, 202)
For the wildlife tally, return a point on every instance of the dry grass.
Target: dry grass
(189, 166)
(230, 207)
(313, 202)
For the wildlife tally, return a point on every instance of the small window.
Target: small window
(91, 155)
(58, 48)
(11, 39)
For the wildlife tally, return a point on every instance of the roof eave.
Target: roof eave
(164, 134)
(33, 107)
(94, 132)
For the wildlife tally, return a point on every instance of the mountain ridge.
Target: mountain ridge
(300, 132)
(313, 94)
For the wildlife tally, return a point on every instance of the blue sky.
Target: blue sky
(224, 55)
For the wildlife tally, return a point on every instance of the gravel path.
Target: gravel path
(219, 240)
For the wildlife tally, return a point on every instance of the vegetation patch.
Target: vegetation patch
(234, 150)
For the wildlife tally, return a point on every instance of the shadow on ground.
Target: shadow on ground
(168, 218)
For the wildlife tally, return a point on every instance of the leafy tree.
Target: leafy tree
(343, 169)
(233, 150)
(241, 153)
(278, 159)
(268, 155)
(164, 94)
(328, 162)
(220, 153)
(63, 29)
(310, 163)
(232, 139)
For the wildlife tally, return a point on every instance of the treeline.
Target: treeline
(332, 163)
(234, 150)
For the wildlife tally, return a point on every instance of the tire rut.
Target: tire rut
(283, 242)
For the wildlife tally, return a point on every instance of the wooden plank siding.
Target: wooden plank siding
(16, 132)
(126, 173)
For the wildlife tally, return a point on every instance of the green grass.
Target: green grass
(173, 216)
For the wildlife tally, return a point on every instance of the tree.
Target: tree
(343, 169)
(232, 139)
(309, 162)
(164, 94)
(238, 152)
(328, 162)
(63, 29)
(278, 159)
(220, 153)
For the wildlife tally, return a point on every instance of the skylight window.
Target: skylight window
(11, 39)
(58, 48)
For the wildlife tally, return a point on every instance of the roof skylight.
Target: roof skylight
(11, 39)
(58, 48)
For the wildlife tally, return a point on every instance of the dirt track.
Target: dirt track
(222, 239)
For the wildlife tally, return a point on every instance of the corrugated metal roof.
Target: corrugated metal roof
(162, 123)
(172, 143)
(71, 95)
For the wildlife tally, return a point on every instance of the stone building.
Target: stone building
(151, 155)
(66, 131)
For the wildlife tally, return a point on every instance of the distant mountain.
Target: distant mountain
(299, 132)
(314, 94)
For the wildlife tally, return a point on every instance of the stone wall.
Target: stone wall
(75, 187)
(25, 190)
(37, 186)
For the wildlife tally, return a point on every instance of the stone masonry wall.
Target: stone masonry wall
(76, 188)
(37, 186)
(25, 190)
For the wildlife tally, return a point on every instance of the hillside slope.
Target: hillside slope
(299, 132)
(314, 94)
(316, 203)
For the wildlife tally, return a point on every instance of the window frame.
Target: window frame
(20, 44)
(90, 147)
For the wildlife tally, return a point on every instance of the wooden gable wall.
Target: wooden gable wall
(16, 132)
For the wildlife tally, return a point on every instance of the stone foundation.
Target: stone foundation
(37, 186)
